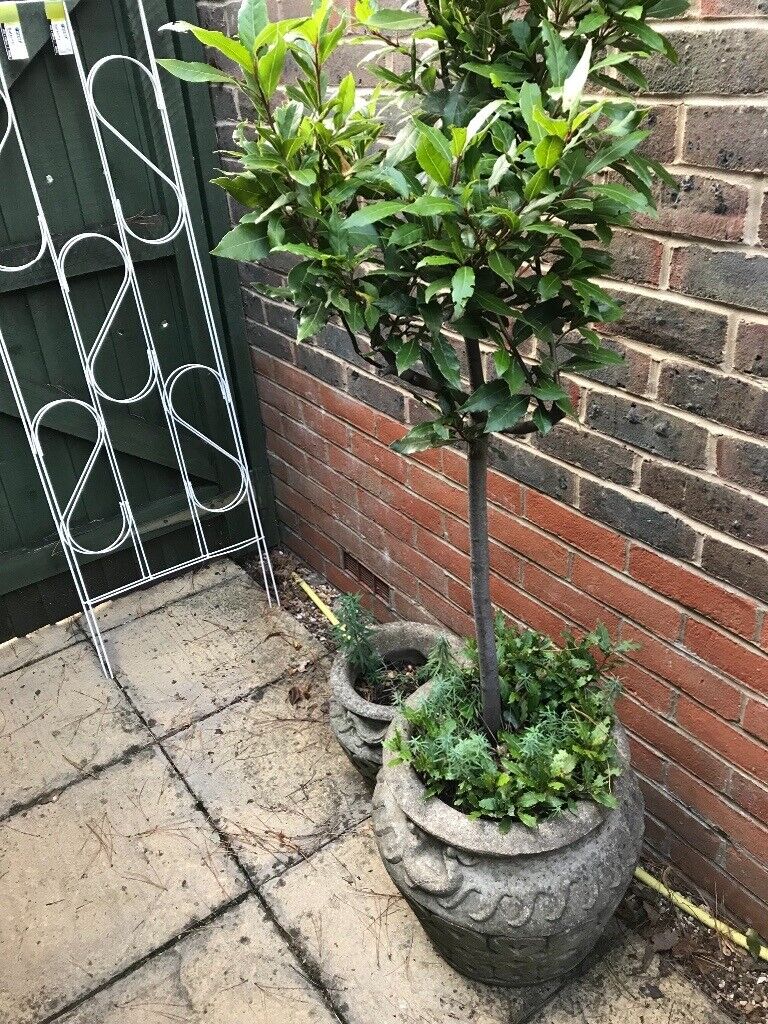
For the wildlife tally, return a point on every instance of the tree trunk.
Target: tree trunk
(481, 586)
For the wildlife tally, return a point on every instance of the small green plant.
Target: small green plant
(354, 639)
(556, 744)
(376, 680)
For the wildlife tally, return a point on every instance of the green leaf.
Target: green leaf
(447, 361)
(230, 48)
(374, 212)
(548, 391)
(530, 98)
(406, 355)
(536, 184)
(613, 152)
(270, 68)
(311, 322)
(623, 197)
(433, 152)
(252, 18)
(194, 71)
(418, 439)
(506, 414)
(559, 62)
(590, 23)
(395, 21)
(548, 152)
(430, 206)
(503, 267)
(487, 396)
(483, 118)
(246, 242)
(462, 286)
(551, 125)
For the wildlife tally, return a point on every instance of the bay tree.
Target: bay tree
(463, 254)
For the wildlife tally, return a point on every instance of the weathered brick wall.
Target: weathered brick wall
(650, 515)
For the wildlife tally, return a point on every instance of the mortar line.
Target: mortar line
(311, 975)
(135, 751)
(126, 972)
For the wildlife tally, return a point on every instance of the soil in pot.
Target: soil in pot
(399, 680)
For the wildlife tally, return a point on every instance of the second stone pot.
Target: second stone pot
(358, 724)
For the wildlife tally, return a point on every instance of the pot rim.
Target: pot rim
(388, 638)
(482, 836)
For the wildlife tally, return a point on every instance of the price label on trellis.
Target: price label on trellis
(60, 34)
(13, 37)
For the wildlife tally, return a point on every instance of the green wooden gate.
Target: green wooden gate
(35, 587)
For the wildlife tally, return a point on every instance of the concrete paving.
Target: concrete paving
(188, 844)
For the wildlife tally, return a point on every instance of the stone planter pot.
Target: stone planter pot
(358, 724)
(514, 909)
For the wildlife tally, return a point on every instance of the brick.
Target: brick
(746, 570)
(437, 490)
(750, 795)
(379, 457)
(647, 761)
(693, 590)
(726, 138)
(755, 719)
(723, 275)
(599, 455)
(714, 808)
(733, 8)
(280, 317)
(336, 341)
(677, 667)
(719, 397)
(269, 341)
(763, 228)
(636, 257)
(661, 122)
(320, 365)
(672, 327)
(526, 610)
(674, 744)
(700, 206)
(751, 354)
(715, 504)
(684, 824)
(645, 688)
(525, 465)
(705, 64)
(743, 462)
(748, 872)
(511, 533)
(718, 649)
(728, 741)
(568, 600)
(647, 427)
(630, 375)
(634, 518)
(576, 529)
(622, 594)
(378, 394)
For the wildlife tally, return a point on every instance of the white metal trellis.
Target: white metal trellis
(128, 534)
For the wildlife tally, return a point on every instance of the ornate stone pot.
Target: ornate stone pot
(358, 724)
(515, 908)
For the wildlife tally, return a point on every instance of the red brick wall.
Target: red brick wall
(650, 514)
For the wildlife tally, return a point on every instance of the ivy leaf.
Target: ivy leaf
(252, 18)
(462, 286)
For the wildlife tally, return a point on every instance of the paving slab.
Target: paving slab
(235, 970)
(370, 952)
(93, 882)
(20, 651)
(136, 603)
(59, 720)
(631, 985)
(271, 774)
(189, 659)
